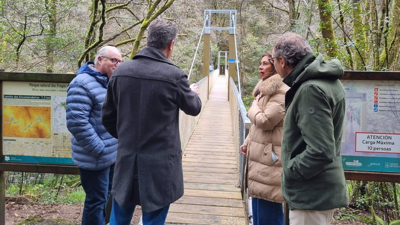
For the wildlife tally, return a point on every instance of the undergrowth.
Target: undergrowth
(46, 188)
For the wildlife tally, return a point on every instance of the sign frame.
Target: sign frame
(26, 167)
(366, 175)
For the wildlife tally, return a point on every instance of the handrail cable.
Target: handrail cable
(237, 61)
(198, 44)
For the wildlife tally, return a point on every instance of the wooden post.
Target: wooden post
(232, 57)
(219, 60)
(2, 173)
(2, 198)
(231, 60)
(206, 60)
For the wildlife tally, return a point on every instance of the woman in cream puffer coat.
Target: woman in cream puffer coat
(263, 146)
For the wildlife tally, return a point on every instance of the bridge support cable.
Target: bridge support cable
(198, 44)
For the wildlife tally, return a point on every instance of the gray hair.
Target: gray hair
(293, 47)
(104, 51)
(160, 33)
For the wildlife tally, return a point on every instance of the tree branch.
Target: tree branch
(119, 6)
(120, 33)
(149, 17)
(101, 32)
(280, 9)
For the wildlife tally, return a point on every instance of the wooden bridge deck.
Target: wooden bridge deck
(210, 168)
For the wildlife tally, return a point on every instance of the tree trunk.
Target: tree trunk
(327, 28)
(359, 36)
(146, 22)
(51, 8)
(90, 33)
(394, 35)
(375, 36)
(341, 21)
(100, 30)
(384, 56)
(311, 14)
(292, 13)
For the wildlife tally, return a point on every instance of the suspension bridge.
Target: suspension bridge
(211, 167)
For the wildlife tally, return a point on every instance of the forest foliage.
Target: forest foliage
(60, 35)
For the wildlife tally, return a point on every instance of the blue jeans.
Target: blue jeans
(266, 212)
(97, 186)
(123, 216)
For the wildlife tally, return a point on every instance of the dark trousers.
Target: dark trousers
(97, 185)
(123, 215)
(266, 212)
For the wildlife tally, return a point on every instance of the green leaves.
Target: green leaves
(46, 188)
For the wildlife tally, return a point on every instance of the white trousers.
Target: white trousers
(311, 217)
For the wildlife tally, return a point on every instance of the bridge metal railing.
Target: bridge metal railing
(241, 125)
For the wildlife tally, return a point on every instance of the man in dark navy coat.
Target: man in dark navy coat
(141, 109)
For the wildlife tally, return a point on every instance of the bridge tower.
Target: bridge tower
(232, 41)
(224, 67)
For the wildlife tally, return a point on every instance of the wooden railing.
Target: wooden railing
(187, 124)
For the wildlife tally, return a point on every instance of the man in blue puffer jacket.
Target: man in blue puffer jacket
(93, 149)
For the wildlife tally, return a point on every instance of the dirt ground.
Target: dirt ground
(16, 212)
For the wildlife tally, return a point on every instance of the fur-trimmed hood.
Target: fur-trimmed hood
(269, 86)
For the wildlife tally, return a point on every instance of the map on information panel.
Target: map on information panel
(34, 123)
(27, 121)
(59, 114)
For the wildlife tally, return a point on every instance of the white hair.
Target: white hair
(104, 51)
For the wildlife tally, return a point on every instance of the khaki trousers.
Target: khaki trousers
(310, 217)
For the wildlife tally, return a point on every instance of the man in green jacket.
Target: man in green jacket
(313, 181)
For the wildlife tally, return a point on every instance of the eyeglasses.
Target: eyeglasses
(271, 60)
(113, 60)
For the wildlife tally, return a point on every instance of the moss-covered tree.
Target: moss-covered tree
(325, 11)
(359, 36)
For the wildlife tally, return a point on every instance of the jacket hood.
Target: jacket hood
(88, 68)
(312, 67)
(269, 86)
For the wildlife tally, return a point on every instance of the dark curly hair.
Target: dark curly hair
(293, 47)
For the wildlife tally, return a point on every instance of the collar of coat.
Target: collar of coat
(153, 53)
(297, 73)
(269, 86)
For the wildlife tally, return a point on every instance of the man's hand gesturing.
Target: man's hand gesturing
(195, 88)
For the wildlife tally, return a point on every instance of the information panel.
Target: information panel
(371, 138)
(34, 123)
